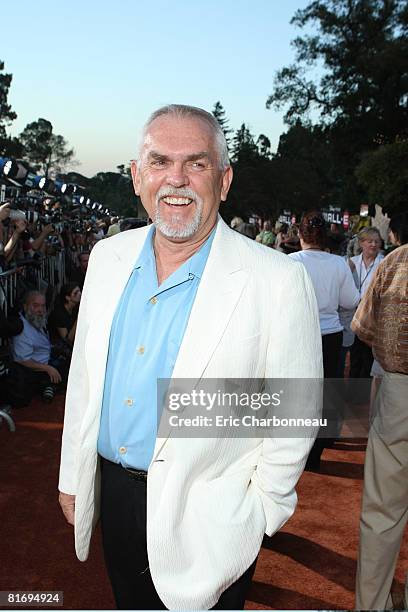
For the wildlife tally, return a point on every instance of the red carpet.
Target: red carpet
(310, 564)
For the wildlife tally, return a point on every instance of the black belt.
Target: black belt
(133, 473)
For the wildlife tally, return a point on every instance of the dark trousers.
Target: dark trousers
(123, 518)
(331, 344)
(361, 361)
(23, 383)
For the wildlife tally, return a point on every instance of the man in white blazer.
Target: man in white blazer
(182, 519)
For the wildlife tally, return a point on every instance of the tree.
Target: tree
(112, 189)
(384, 174)
(264, 146)
(362, 48)
(219, 113)
(44, 150)
(10, 147)
(7, 115)
(244, 149)
(360, 96)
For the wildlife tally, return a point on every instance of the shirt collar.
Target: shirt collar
(193, 266)
(147, 254)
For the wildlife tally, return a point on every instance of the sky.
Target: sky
(97, 69)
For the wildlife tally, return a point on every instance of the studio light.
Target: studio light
(46, 184)
(67, 188)
(15, 170)
(3, 162)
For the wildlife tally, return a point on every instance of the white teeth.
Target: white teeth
(177, 201)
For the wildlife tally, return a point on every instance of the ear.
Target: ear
(226, 183)
(135, 176)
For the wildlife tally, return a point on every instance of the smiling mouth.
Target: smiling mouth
(173, 201)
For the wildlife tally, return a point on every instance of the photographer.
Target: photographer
(36, 370)
(38, 244)
(13, 244)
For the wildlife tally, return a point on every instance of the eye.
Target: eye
(197, 165)
(158, 163)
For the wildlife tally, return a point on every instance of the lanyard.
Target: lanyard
(361, 282)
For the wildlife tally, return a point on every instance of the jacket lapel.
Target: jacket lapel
(217, 297)
(119, 267)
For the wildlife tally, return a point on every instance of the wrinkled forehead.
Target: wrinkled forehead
(36, 300)
(168, 134)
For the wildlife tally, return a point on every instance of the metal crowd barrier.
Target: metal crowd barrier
(46, 272)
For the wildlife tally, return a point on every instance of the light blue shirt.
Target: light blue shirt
(146, 334)
(32, 343)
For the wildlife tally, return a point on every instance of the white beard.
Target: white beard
(176, 228)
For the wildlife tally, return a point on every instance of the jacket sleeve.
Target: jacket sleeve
(294, 356)
(77, 395)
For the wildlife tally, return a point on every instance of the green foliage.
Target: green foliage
(384, 174)
(244, 149)
(7, 115)
(363, 49)
(360, 98)
(219, 113)
(112, 189)
(44, 150)
(264, 146)
(10, 147)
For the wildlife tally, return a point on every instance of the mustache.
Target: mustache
(181, 192)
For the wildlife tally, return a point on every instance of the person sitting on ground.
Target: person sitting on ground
(64, 316)
(34, 369)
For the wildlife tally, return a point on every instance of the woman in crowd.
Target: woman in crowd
(64, 316)
(291, 243)
(363, 267)
(281, 236)
(334, 288)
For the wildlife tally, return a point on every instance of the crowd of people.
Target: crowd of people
(38, 332)
(361, 287)
(341, 265)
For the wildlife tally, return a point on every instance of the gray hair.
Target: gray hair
(366, 231)
(183, 111)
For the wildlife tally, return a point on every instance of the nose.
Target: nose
(177, 176)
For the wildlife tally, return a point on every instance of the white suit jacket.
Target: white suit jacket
(209, 501)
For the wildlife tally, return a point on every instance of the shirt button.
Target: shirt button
(129, 401)
(141, 350)
(153, 300)
(123, 450)
(191, 276)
